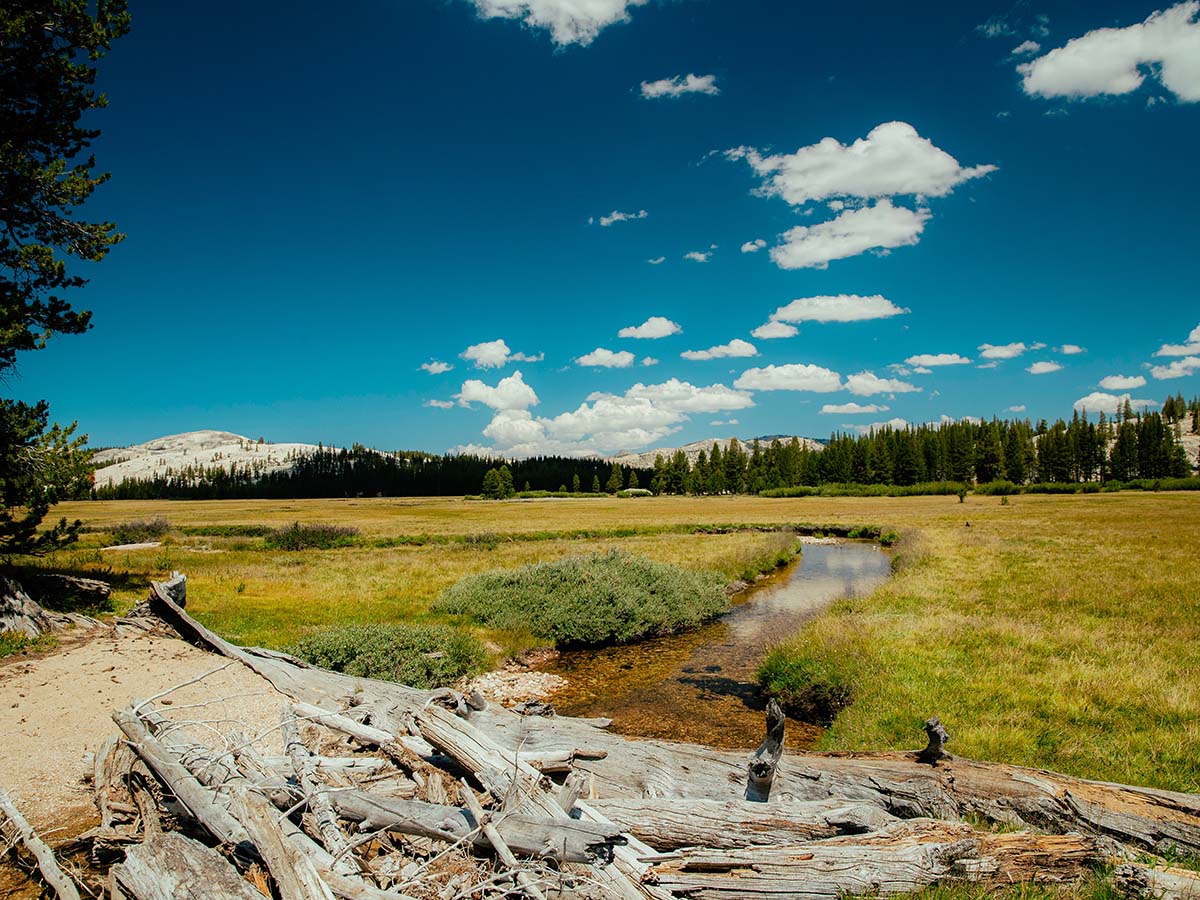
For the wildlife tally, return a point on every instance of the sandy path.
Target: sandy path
(55, 712)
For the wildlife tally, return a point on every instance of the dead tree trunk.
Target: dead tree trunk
(23, 832)
(170, 866)
(903, 858)
(766, 758)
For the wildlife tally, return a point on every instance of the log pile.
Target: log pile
(366, 790)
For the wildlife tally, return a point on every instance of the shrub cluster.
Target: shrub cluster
(811, 683)
(311, 537)
(421, 656)
(140, 531)
(868, 490)
(608, 598)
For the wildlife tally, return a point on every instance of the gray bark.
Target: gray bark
(170, 866)
(46, 863)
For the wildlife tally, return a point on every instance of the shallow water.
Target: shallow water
(700, 686)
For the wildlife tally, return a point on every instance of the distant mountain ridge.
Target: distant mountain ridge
(645, 459)
(204, 449)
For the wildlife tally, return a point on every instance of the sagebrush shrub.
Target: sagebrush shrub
(421, 656)
(608, 598)
(311, 537)
(140, 531)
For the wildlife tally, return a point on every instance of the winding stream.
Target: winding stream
(700, 686)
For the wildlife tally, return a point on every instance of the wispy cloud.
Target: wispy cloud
(617, 216)
(436, 367)
(680, 85)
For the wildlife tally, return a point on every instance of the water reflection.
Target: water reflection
(700, 686)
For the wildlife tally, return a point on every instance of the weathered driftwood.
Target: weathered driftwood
(484, 821)
(169, 866)
(1157, 883)
(21, 613)
(315, 794)
(730, 824)
(935, 750)
(766, 758)
(23, 832)
(295, 875)
(200, 802)
(904, 857)
(528, 835)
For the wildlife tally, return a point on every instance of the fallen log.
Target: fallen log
(528, 835)
(1156, 883)
(47, 865)
(905, 857)
(731, 824)
(484, 821)
(315, 794)
(198, 801)
(295, 876)
(21, 613)
(169, 866)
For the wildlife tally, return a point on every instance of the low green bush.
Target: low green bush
(608, 598)
(812, 683)
(925, 488)
(421, 656)
(140, 531)
(311, 537)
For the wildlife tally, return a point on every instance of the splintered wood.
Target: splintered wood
(384, 792)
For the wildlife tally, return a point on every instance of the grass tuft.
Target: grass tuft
(321, 536)
(140, 531)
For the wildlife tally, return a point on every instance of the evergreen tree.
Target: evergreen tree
(575, 483)
(615, 480)
(595, 484)
(633, 480)
(504, 474)
(491, 485)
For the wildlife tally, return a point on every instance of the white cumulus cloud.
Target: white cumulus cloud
(925, 360)
(1044, 368)
(852, 409)
(681, 396)
(1068, 349)
(1122, 382)
(495, 355)
(617, 216)
(1026, 48)
(701, 256)
(736, 347)
(838, 308)
(436, 367)
(1098, 402)
(1191, 347)
(883, 226)
(1115, 60)
(896, 424)
(790, 377)
(649, 361)
(653, 327)
(753, 246)
(509, 394)
(775, 330)
(867, 384)
(606, 359)
(1002, 351)
(568, 21)
(892, 160)
(680, 85)
(1179, 368)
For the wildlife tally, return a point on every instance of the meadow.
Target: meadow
(1053, 631)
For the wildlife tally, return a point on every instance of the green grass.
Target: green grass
(610, 598)
(14, 642)
(319, 536)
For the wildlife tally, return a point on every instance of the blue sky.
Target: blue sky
(319, 202)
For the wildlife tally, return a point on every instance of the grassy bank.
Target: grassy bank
(1060, 635)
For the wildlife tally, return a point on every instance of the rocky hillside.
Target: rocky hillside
(197, 449)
